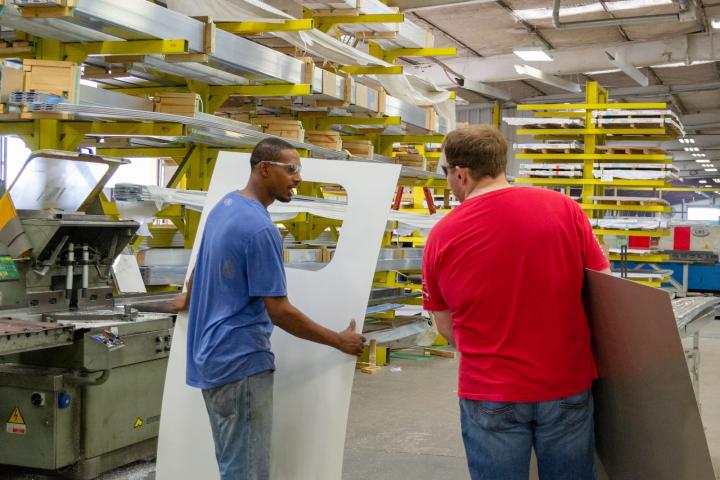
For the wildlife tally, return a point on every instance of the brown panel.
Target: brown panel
(647, 420)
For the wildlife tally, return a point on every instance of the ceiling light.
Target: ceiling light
(715, 22)
(702, 181)
(690, 140)
(716, 180)
(702, 161)
(533, 54)
(687, 149)
(711, 169)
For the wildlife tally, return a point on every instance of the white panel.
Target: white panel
(127, 274)
(312, 382)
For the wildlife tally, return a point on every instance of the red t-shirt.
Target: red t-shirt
(508, 265)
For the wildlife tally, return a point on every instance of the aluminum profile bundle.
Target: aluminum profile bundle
(22, 98)
(690, 309)
(129, 192)
(140, 19)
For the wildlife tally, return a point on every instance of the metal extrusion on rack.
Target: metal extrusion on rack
(142, 20)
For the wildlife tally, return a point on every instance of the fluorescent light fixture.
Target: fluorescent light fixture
(702, 181)
(716, 180)
(688, 149)
(702, 161)
(533, 54)
(548, 79)
(715, 22)
(711, 169)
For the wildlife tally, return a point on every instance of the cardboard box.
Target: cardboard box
(177, 103)
(359, 148)
(431, 119)
(52, 77)
(11, 80)
(412, 160)
(324, 138)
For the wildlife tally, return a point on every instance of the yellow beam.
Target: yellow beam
(250, 28)
(372, 70)
(628, 208)
(130, 47)
(392, 55)
(593, 131)
(628, 184)
(634, 233)
(261, 90)
(125, 129)
(591, 106)
(630, 157)
(614, 257)
(17, 128)
(326, 24)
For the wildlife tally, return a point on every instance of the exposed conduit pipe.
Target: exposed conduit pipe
(614, 22)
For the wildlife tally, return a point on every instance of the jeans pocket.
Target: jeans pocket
(575, 409)
(223, 400)
(494, 416)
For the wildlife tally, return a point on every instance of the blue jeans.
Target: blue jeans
(499, 437)
(241, 421)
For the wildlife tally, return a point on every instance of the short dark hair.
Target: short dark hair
(268, 149)
(480, 148)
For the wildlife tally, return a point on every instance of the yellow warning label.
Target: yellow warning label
(138, 423)
(16, 417)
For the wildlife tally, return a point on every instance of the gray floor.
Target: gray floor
(405, 424)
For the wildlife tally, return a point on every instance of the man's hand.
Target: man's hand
(181, 302)
(350, 342)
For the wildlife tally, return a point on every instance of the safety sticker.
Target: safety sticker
(16, 423)
(138, 423)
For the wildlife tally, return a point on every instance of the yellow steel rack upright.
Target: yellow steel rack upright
(593, 137)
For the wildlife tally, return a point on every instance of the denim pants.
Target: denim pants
(499, 437)
(241, 421)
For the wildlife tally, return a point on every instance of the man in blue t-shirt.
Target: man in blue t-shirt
(237, 293)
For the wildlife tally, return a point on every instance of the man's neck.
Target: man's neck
(252, 192)
(486, 185)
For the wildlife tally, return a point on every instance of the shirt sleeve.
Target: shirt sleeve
(433, 300)
(265, 269)
(592, 254)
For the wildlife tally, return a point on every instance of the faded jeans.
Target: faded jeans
(499, 437)
(241, 421)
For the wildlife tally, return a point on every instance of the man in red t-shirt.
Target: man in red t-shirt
(503, 275)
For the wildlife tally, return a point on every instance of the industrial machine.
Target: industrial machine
(81, 369)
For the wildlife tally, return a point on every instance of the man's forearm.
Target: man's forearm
(300, 325)
(443, 321)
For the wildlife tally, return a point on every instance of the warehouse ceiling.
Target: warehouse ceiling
(678, 51)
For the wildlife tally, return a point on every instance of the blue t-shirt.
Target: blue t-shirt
(240, 261)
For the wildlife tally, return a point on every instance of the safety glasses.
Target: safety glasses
(292, 168)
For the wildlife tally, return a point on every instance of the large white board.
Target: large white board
(312, 382)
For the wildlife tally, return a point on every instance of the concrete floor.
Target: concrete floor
(405, 424)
